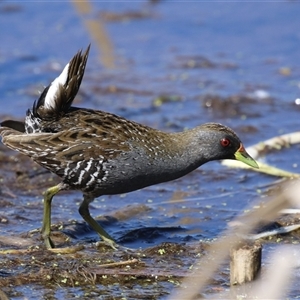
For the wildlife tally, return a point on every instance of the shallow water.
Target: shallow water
(194, 58)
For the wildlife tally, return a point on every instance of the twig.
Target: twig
(281, 230)
(257, 150)
(65, 250)
(119, 263)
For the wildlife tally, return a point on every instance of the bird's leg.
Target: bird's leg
(48, 195)
(85, 213)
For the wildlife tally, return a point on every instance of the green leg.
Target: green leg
(85, 213)
(48, 195)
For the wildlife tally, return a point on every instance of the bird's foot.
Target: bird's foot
(48, 243)
(64, 250)
(113, 245)
(108, 242)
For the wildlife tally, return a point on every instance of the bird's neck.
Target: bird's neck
(183, 153)
(193, 150)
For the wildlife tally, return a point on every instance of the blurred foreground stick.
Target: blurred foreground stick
(208, 264)
(245, 262)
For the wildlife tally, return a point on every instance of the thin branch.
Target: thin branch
(260, 149)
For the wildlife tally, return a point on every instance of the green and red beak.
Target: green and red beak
(242, 155)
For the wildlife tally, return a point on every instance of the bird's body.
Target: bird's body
(106, 154)
(100, 153)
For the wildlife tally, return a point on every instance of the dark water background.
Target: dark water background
(186, 52)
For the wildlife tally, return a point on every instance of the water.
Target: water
(184, 52)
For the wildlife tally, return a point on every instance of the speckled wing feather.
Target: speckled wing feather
(55, 150)
(83, 144)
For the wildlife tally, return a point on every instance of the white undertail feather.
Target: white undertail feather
(50, 99)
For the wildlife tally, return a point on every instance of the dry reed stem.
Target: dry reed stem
(257, 150)
(219, 250)
(277, 276)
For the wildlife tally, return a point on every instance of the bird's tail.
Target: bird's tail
(57, 98)
(54, 101)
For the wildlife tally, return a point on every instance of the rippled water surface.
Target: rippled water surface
(168, 65)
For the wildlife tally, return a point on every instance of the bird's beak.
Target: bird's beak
(242, 155)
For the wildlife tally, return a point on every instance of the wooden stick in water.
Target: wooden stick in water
(245, 262)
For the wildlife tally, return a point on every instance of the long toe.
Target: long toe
(112, 244)
(48, 243)
(108, 242)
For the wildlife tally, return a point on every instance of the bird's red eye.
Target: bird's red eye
(225, 142)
